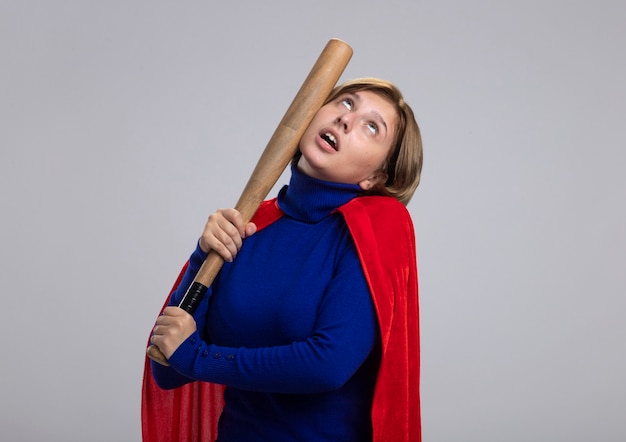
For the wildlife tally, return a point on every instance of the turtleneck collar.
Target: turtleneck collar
(310, 200)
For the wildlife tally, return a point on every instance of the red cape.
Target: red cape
(383, 233)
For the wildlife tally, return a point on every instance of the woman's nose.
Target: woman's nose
(346, 121)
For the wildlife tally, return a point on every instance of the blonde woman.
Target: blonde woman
(311, 327)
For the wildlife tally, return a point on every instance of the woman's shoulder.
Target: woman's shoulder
(376, 207)
(382, 216)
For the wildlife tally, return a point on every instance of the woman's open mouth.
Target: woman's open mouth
(330, 139)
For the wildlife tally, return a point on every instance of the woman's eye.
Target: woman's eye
(347, 103)
(373, 128)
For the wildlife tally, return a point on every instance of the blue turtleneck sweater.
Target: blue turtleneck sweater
(289, 327)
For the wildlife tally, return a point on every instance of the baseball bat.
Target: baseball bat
(277, 154)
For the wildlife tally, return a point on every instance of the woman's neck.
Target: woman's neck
(310, 199)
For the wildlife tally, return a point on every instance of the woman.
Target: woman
(312, 325)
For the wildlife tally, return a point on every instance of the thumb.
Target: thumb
(250, 229)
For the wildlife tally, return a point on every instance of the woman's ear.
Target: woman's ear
(373, 180)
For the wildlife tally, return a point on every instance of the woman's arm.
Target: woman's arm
(224, 232)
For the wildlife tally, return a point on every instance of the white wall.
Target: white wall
(123, 124)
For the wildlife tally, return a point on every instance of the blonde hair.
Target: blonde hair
(403, 166)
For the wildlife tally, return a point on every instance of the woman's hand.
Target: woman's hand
(171, 329)
(224, 233)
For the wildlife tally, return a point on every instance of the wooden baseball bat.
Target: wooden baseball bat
(277, 154)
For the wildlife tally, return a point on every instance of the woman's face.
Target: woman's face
(349, 140)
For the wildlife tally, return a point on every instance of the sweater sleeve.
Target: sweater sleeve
(346, 332)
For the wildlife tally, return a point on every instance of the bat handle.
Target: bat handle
(189, 303)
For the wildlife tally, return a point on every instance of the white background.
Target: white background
(123, 124)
